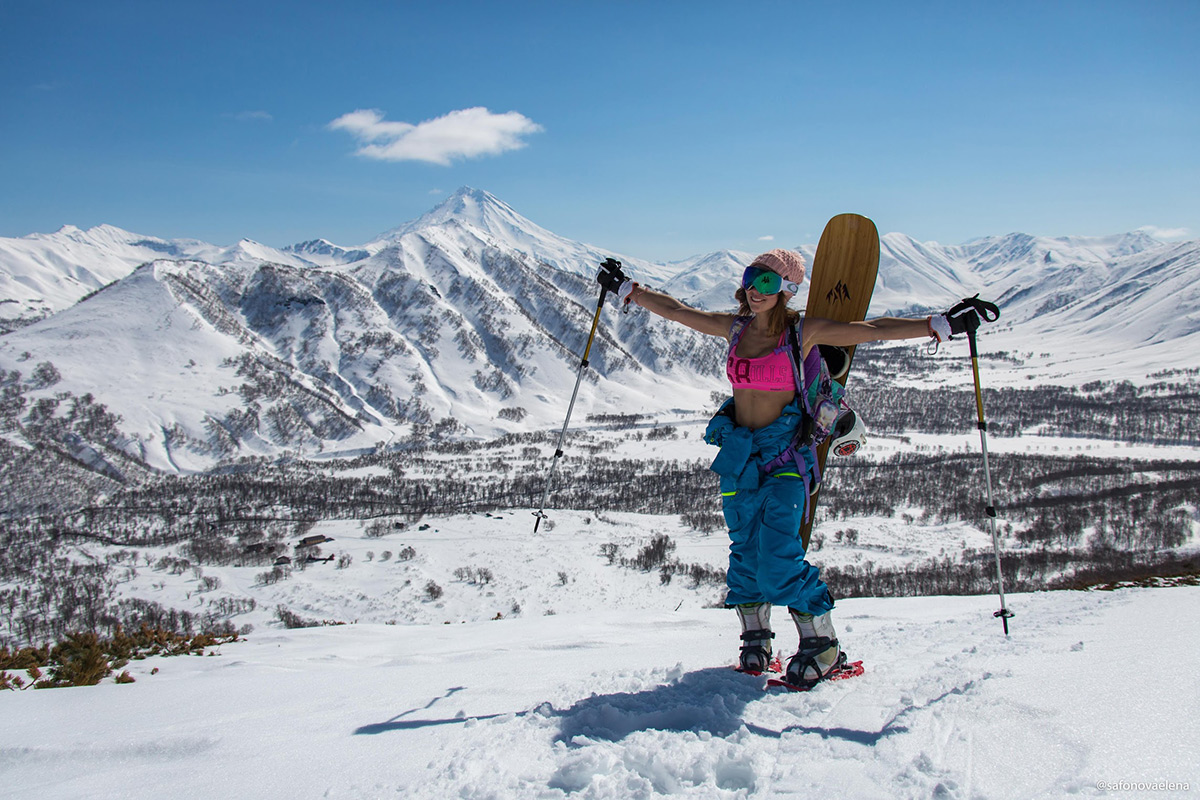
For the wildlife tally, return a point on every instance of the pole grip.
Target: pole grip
(971, 336)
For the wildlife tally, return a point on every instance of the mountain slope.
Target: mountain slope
(643, 705)
(471, 321)
(41, 274)
(440, 329)
(44, 273)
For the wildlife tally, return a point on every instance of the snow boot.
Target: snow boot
(755, 657)
(818, 655)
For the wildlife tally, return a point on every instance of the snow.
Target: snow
(1091, 688)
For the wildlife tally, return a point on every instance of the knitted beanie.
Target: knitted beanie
(787, 264)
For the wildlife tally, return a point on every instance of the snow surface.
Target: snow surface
(1092, 689)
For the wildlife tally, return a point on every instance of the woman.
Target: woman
(764, 483)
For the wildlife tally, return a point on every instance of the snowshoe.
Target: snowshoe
(755, 657)
(819, 654)
(840, 671)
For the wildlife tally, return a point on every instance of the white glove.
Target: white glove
(939, 328)
(625, 295)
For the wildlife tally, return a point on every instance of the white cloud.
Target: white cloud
(467, 133)
(766, 238)
(1164, 233)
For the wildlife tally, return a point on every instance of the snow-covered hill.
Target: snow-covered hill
(471, 321)
(618, 704)
(42, 274)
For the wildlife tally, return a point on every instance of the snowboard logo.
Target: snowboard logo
(838, 293)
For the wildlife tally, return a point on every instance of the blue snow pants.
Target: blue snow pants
(764, 511)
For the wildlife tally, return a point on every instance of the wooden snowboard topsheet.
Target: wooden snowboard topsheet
(843, 279)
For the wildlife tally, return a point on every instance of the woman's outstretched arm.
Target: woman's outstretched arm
(662, 304)
(826, 331)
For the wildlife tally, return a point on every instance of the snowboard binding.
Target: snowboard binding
(755, 656)
(804, 671)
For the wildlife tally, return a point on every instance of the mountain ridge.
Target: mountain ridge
(462, 324)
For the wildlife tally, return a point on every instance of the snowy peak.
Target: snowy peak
(109, 238)
(708, 281)
(41, 274)
(722, 259)
(913, 274)
(325, 253)
(497, 224)
(249, 251)
(1021, 248)
(480, 210)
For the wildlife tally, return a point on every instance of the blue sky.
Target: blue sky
(657, 129)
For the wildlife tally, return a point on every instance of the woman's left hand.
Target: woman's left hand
(628, 293)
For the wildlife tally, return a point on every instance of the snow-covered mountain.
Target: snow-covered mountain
(441, 327)
(325, 253)
(1024, 271)
(708, 281)
(505, 228)
(471, 321)
(42, 274)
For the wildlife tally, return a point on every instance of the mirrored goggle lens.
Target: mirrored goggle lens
(761, 280)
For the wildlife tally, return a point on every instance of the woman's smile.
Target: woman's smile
(760, 302)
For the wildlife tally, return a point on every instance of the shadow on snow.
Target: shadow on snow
(710, 701)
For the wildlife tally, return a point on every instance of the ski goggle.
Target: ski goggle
(764, 281)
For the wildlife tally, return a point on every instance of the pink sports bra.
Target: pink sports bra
(769, 373)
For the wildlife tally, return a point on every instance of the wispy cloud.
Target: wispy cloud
(766, 238)
(251, 116)
(467, 133)
(1164, 233)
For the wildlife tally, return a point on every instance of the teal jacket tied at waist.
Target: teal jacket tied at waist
(744, 452)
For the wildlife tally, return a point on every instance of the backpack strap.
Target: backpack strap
(736, 330)
(797, 337)
(800, 452)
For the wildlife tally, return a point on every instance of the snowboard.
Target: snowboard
(843, 279)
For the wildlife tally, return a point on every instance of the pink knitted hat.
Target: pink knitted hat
(787, 264)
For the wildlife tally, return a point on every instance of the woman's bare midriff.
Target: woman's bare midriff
(755, 408)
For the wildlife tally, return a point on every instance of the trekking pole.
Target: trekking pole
(610, 279)
(990, 313)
